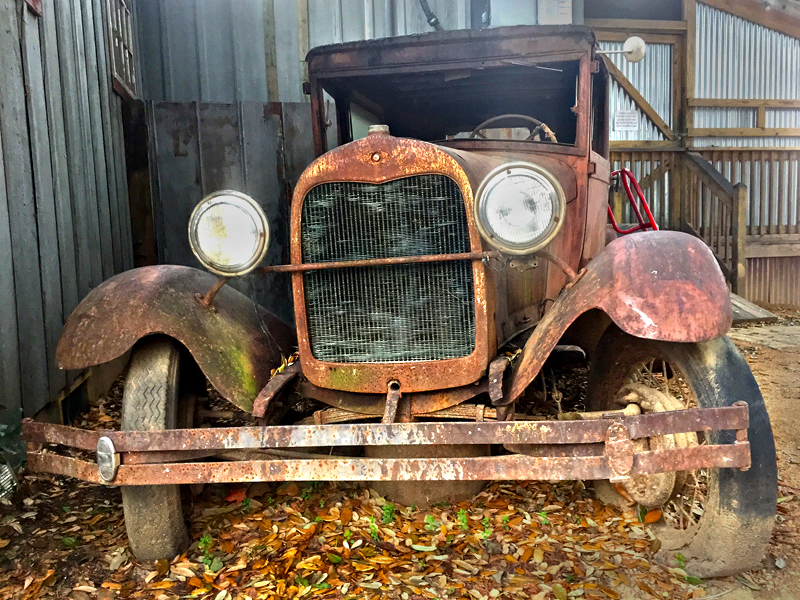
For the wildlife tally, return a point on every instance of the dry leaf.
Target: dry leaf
(236, 495)
(291, 489)
(609, 592)
(653, 516)
(111, 585)
(162, 567)
(559, 592)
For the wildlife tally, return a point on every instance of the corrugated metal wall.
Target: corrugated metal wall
(332, 21)
(652, 76)
(773, 280)
(227, 50)
(208, 51)
(740, 60)
(64, 218)
(223, 50)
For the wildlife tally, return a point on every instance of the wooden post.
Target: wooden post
(739, 233)
(675, 191)
(686, 190)
(690, 16)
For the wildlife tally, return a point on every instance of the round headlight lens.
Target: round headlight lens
(228, 233)
(520, 208)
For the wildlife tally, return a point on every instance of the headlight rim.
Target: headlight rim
(555, 224)
(264, 234)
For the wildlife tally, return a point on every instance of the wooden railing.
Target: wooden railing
(687, 193)
(715, 210)
(773, 179)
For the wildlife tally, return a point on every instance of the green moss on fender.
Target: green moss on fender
(229, 341)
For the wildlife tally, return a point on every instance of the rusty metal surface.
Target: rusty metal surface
(543, 450)
(521, 292)
(208, 299)
(496, 369)
(228, 340)
(619, 450)
(368, 434)
(378, 262)
(392, 400)
(410, 469)
(547, 43)
(661, 285)
(275, 385)
(399, 157)
(373, 404)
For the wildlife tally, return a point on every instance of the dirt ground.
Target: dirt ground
(60, 538)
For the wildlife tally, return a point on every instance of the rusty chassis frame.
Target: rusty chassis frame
(606, 450)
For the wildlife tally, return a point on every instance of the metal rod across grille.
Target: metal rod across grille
(392, 313)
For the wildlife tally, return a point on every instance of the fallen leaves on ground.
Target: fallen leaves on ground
(514, 540)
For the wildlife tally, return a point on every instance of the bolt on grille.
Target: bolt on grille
(394, 313)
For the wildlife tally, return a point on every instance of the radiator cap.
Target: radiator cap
(378, 129)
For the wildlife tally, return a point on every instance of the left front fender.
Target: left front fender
(660, 285)
(235, 343)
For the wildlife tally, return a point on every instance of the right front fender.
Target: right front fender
(659, 285)
(235, 344)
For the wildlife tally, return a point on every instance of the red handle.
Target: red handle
(627, 177)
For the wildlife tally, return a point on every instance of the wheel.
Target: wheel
(719, 520)
(151, 402)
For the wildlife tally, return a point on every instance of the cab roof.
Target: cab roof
(449, 49)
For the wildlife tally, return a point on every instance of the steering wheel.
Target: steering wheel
(539, 128)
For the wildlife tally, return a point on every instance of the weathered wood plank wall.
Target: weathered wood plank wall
(64, 217)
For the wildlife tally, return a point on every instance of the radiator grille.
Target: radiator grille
(396, 313)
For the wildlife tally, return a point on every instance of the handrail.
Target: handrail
(710, 175)
(723, 227)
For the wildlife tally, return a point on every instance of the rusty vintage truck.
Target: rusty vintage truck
(450, 236)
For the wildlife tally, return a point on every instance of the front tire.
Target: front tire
(736, 519)
(153, 513)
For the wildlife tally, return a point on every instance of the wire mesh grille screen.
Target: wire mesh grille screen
(396, 313)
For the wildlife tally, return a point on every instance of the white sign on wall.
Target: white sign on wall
(626, 120)
(555, 12)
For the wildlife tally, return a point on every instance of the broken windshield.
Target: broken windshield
(435, 105)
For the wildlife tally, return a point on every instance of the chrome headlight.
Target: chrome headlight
(520, 208)
(229, 233)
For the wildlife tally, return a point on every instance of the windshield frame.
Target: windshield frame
(318, 81)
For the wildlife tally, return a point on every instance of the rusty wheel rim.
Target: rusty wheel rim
(682, 511)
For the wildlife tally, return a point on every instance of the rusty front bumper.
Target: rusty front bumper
(587, 449)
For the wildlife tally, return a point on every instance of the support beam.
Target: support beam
(638, 99)
(744, 103)
(637, 25)
(744, 132)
